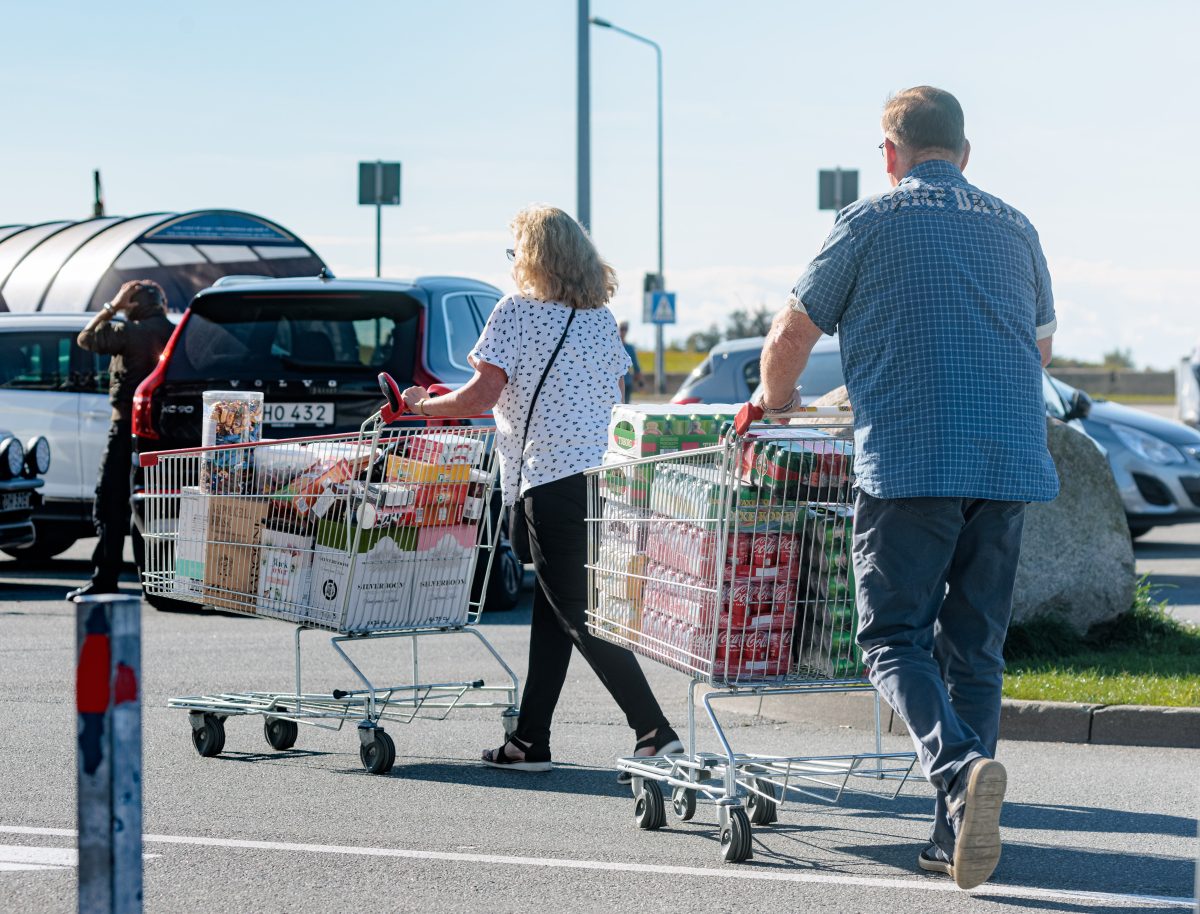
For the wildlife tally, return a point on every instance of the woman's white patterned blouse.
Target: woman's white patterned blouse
(569, 427)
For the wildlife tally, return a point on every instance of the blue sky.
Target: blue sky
(1080, 114)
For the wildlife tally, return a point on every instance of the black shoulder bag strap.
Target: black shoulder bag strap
(518, 529)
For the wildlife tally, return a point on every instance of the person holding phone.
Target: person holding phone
(135, 343)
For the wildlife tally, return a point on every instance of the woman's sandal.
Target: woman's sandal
(665, 741)
(537, 758)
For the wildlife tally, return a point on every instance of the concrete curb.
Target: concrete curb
(1037, 721)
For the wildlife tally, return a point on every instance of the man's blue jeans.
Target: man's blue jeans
(934, 584)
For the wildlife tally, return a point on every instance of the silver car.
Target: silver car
(730, 372)
(1155, 461)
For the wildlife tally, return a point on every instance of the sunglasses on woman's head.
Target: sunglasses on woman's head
(510, 253)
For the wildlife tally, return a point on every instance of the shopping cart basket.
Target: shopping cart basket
(731, 563)
(378, 534)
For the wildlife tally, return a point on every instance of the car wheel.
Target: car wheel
(48, 544)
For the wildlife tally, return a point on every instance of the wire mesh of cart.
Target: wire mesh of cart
(731, 563)
(383, 533)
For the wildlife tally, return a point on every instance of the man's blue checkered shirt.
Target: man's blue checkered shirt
(939, 293)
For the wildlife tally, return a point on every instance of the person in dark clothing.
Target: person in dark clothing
(135, 344)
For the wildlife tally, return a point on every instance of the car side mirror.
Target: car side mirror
(1080, 406)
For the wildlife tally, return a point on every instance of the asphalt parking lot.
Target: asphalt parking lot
(1088, 828)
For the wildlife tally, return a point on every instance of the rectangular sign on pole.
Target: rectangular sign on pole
(379, 183)
(837, 188)
(658, 307)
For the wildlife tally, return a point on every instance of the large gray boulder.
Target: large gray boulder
(1076, 556)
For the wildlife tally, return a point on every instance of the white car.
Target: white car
(51, 387)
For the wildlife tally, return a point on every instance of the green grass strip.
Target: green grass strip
(1145, 657)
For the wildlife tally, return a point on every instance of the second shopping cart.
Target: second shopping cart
(731, 563)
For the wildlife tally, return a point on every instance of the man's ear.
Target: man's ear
(966, 155)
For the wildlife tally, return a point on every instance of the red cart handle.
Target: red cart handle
(747, 415)
(394, 408)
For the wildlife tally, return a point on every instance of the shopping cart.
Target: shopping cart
(386, 533)
(731, 563)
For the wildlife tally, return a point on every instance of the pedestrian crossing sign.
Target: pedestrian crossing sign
(659, 308)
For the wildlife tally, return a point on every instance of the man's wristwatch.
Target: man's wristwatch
(108, 306)
(788, 407)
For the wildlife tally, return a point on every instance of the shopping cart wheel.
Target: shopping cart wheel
(735, 837)
(208, 734)
(649, 811)
(379, 754)
(683, 801)
(280, 733)
(762, 807)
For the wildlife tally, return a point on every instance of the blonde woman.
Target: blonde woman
(550, 364)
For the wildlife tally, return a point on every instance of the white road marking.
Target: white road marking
(25, 857)
(19, 857)
(917, 883)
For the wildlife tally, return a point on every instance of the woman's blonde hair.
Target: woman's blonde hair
(556, 260)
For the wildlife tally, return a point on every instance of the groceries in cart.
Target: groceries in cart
(730, 561)
(352, 533)
(230, 420)
(660, 428)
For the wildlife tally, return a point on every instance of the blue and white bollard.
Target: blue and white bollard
(108, 705)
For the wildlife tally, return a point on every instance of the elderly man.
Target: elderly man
(941, 296)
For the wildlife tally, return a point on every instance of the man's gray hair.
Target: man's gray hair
(924, 118)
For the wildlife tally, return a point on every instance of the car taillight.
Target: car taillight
(143, 397)
(686, 401)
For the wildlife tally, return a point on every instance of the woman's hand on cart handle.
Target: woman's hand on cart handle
(414, 399)
(394, 408)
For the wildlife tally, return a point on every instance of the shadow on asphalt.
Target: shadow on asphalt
(1042, 817)
(565, 778)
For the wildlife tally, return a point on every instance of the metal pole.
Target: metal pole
(660, 369)
(378, 217)
(109, 753)
(660, 378)
(583, 142)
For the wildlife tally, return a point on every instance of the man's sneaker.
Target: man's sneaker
(935, 860)
(977, 823)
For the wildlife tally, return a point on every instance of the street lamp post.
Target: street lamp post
(660, 381)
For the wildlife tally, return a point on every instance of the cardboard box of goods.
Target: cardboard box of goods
(374, 596)
(446, 448)
(454, 538)
(652, 429)
(305, 489)
(626, 481)
(407, 469)
(441, 587)
(284, 573)
(339, 535)
(190, 535)
(234, 529)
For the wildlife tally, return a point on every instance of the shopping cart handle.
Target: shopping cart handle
(747, 415)
(394, 408)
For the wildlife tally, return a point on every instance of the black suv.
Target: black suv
(314, 347)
